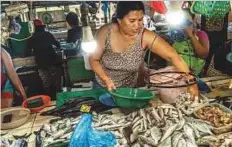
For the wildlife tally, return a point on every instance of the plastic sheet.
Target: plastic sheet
(85, 136)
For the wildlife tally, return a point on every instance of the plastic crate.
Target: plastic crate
(62, 97)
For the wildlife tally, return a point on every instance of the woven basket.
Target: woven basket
(19, 117)
(211, 8)
(217, 130)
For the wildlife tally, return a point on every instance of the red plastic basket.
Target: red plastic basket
(46, 100)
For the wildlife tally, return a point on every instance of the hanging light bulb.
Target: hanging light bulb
(88, 43)
(175, 17)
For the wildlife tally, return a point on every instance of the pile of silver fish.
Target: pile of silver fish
(58, 131)
(163, 126)
(18, 141)
(186, 105)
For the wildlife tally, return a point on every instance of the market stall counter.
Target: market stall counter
(156, 125)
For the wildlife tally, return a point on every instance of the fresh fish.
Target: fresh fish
(61, 132)
(141, 126)
(189, 143)
(166, 143)
(146, 145)
(167, 106)
(136, 129)
(134, 114)
(145, 124)
(122, 120)
(19, 143)
(182, 143)
(147, 133)
(39, 137)
(161, 113)
(20, 140)
(166, 111)
(156, 115)
(136, 119)
(149, 119)
(181, 123)
(4, 142)
(170, 112)
(168, 132)
(189, 133)
(136, 145)
(173, 112)
(201, 127)
(111, 127)
(195, 130)
(66, 136)
(176, 138)
(137, 123)
(180, 114)
(147, 140)
(25, 136)
(156, 134)
(133, 137)
(58, 142)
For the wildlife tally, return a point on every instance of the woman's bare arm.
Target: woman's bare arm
(7, 61)
(164, 50)
(201, 45)
(95, 58)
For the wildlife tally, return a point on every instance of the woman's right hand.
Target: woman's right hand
(110, 85)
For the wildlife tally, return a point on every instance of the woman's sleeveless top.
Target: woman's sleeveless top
(123, 67)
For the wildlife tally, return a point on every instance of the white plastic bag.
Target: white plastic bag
(86, 60)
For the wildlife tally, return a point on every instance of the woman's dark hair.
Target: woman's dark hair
(72, 19)
(124, 7)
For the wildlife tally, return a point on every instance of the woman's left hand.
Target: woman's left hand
(189, 31)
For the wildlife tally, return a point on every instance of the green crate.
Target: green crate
(62, 97)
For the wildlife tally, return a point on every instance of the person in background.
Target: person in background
(121, 47)
(215, 27)
(41, 45)
(8, 76)
(194, 48)
(74, 30)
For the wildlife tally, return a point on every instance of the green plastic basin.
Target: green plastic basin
(131, 97)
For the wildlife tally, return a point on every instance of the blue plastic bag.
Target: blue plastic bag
(107, 99)
(85, 136)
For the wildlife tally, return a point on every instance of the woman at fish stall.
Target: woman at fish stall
(121, 47)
